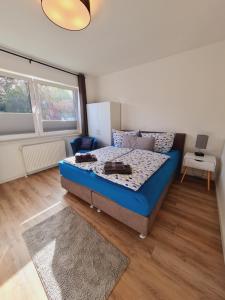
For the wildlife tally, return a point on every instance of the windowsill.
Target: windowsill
(34, 136)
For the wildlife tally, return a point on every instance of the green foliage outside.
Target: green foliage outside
(14, 96)
(56, 103)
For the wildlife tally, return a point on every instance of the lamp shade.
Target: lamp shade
(201, 141)
(68, 14)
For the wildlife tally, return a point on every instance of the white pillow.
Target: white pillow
(163, 140)
(118, 136)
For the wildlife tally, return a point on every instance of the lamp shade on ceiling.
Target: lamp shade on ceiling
(68, 14)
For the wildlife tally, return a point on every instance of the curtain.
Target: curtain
(83, 103)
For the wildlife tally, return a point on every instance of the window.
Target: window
(29, 106)
(14, 95)
(15, 106)
(58, 106)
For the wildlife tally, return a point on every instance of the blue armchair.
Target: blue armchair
(83, 144)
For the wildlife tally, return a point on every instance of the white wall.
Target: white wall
(184, 93)
(11, 164)
(92, 88)
(221, 199)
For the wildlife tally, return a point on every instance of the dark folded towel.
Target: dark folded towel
(125, 171)
(85, 158)
(113, 164)
(117, 168)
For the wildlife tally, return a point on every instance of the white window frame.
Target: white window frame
(36, 108)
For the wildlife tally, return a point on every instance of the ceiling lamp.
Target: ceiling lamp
(68, 14)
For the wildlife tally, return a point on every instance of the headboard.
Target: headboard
(178, 144)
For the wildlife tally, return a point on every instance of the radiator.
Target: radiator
(42, 156)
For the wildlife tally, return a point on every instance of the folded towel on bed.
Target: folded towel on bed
(113, 164)
(117, 168)
(80, 158)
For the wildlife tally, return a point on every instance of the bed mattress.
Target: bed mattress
(141, 201)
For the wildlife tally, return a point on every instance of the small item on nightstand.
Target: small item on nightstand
(199, 154)
(201, 143)
(88, 157)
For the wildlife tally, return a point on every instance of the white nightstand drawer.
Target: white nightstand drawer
(201, 165)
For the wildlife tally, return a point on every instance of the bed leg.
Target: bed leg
(98, 210)
(91, 206)
(142, 236)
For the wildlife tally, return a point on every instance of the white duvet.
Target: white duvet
(143, 163)
(103, 154)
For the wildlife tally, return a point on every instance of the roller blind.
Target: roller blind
(15, 106)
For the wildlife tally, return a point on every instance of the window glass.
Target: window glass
(22, 99)
(58, 107)
(14, 95)
(15, 107)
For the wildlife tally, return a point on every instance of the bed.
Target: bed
(136, 209)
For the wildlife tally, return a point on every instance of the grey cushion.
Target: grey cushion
(135, 142)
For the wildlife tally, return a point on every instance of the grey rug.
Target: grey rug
(73, 261)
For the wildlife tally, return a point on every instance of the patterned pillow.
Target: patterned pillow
(118, 136)
(163, 141)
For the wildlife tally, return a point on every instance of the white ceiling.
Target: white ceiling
(123, 33)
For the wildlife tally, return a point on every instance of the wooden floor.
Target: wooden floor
(181, 259)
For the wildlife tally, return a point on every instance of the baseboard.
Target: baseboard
(12, 178)
(43, 169)
(26, 175)
(221, 212)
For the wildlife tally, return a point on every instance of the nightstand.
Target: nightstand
(206, 163)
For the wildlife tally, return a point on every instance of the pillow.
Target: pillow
(163, 141)
(86, 143)
(118, 136)
(135, 142)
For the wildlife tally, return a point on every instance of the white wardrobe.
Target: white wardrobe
(102, 118)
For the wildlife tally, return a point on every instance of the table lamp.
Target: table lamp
(201, 144)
